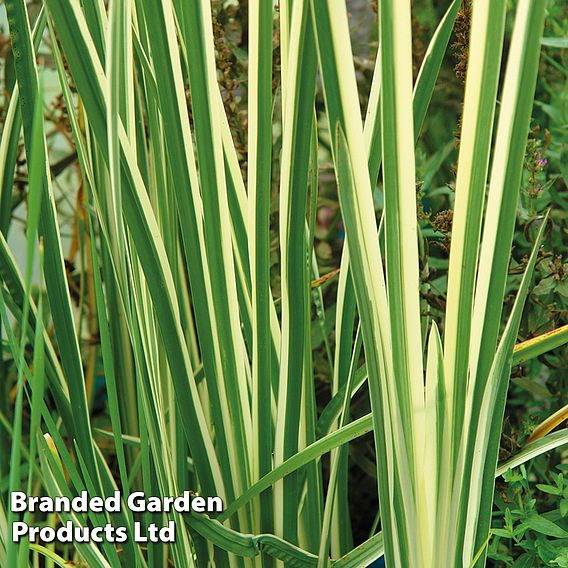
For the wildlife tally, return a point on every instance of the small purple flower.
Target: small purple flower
(542, 162)
(539, 187)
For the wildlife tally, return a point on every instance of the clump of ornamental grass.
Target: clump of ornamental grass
(209, 378)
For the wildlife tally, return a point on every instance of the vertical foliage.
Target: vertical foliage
(209, 379)
(259, 194)
(298, 92)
